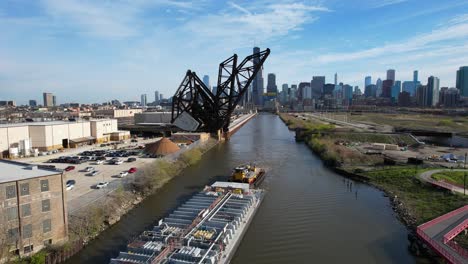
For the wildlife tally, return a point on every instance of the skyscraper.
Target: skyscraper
(378, 91)
(396, 90)
(367, 81)
(415, 76)
(161, 97)
(391, 74)
(409, 87)
(48, 99)
(271, 84)
(462, 80)
(206, 81)
(32, 103)
(257, 84)
(433, 91)
(143, 100)
(156, 97)
(387, 88)
(54, 100)
(336, 78)
(317, 84)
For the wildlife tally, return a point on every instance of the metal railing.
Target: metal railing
(454, 232)
(437, 247)
(443, 217)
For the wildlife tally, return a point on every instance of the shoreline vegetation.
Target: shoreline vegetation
(414, 202)
(87, 224)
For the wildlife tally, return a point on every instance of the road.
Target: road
(426, 176)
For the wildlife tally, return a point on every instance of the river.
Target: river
(310, 214)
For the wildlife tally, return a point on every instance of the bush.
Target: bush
(445, 122)
(38, 258)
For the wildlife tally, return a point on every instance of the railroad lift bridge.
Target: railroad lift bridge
(196, 108)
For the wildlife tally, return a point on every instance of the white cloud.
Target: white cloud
(383, 3)
(454, 32)
(246, 25)
(114, 19)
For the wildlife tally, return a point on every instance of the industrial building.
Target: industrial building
(25, 139)
(105, 130)
(32, 208)
(117, 113)
(153, 118)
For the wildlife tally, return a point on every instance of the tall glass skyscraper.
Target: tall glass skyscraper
(257, 84)
(462, 80)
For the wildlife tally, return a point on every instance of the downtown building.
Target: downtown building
(257, 83)
(462, 81)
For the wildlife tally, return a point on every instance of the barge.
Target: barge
(207, 228)
(250, 174)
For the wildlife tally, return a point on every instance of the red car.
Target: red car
(132, 170)
(69, 168)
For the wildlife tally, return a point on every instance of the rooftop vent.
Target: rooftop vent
(32, 167)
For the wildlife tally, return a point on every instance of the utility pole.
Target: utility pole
(464, 176)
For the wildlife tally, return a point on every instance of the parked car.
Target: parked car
(70, 184)
(89, 169)
(131, 159)
(69, 168)
(94, 173)
(123, 174)
(102, 185)
(132, 170)
(118, 162)
(134, 140)
(98, 162)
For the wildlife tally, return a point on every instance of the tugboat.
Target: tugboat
(250, 174)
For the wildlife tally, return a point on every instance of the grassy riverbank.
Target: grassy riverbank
(453, 177)
(416, 202)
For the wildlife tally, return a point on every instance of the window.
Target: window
(28, 249)
(46, 225)
(44, 185)
(45, 205)
(25, 210)
(13, 235)
(27, 231)
(12, 213)
(47, 242)
(24, 189)
(11, 191)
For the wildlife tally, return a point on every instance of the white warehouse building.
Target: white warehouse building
(20, 139)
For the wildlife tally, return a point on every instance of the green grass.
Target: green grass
(416, 121)
(454, 177)
(424, 201)
(374, 138)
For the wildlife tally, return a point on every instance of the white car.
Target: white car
(99, 162)
(118, 162)
(123, 174)
(70, 184)
(89, 169)
(94, 173)
(102, 185)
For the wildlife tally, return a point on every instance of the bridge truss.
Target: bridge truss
(196, 108)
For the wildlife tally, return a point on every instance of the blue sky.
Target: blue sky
(93, 51)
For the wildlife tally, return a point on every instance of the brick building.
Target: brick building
(32, 208)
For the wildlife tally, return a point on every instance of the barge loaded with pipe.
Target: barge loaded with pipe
(205, 229)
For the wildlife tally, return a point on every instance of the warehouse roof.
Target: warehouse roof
(16, 171)
(46, 123)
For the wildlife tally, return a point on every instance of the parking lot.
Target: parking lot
(84, 190)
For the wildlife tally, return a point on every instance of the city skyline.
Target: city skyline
(82, 46)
